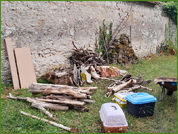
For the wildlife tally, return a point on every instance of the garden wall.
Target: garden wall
(49, 28)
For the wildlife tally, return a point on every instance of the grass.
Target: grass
(164, 119)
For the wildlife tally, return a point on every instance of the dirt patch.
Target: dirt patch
(6, 92)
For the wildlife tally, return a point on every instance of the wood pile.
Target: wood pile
(62, 78)
(122, 52)
(58, 97)
(86, 57)
(126, 84)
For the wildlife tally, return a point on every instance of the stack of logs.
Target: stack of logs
(126, 84)
(58, 97)
(122, 52)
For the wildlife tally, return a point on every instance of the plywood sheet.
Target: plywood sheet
(25, 67)
(12, 63)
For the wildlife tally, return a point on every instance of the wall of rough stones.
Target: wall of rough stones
(49, 28)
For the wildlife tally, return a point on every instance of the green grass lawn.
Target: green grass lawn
(164, 119)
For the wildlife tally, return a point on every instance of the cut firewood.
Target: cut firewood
(121, 86)
(47, 121)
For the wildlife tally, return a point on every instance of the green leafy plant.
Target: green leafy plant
(170, 9)
(168, 40)
(105, 35)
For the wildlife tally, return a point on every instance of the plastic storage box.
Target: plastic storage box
(120, 99)
(113, 118)
(140, 104)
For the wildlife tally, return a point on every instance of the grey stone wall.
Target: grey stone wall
(49, 28)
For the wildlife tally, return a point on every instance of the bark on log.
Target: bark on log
(63, 101)
(47, 121)
(88, 88)
(81, 89)
(121, 86)
(59, 90)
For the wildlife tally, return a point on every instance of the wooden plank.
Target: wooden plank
(25, 67)
(12, 63)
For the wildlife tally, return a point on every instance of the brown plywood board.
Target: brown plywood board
(25, 67)
(12, 63)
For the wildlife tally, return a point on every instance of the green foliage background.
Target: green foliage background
(170, 9)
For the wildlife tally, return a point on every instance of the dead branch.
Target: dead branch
(47, 121)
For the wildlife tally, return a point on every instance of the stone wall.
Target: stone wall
(49, 28)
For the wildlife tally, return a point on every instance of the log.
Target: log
(81, 89)
(63, 101)
(60, 90)
(35, 104)
(121, 86)
(89, 88)
(52, 106)
(47, 121)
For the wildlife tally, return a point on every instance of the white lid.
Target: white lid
(112, 115)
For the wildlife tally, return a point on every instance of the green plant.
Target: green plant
(168, 40)
(170, 8)
(105, 35)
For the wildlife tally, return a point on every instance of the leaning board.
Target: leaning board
(13, 67)
(25, 67)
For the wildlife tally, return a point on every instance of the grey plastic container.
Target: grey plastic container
(113, 118)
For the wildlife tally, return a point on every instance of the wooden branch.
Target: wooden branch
(38, 106)
(121, 86)
(47, 121)
(138, 87)
(35, 104)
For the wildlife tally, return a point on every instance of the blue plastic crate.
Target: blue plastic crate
(140, 104)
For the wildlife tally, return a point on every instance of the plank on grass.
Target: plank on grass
(12, 63)
(25, 67)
